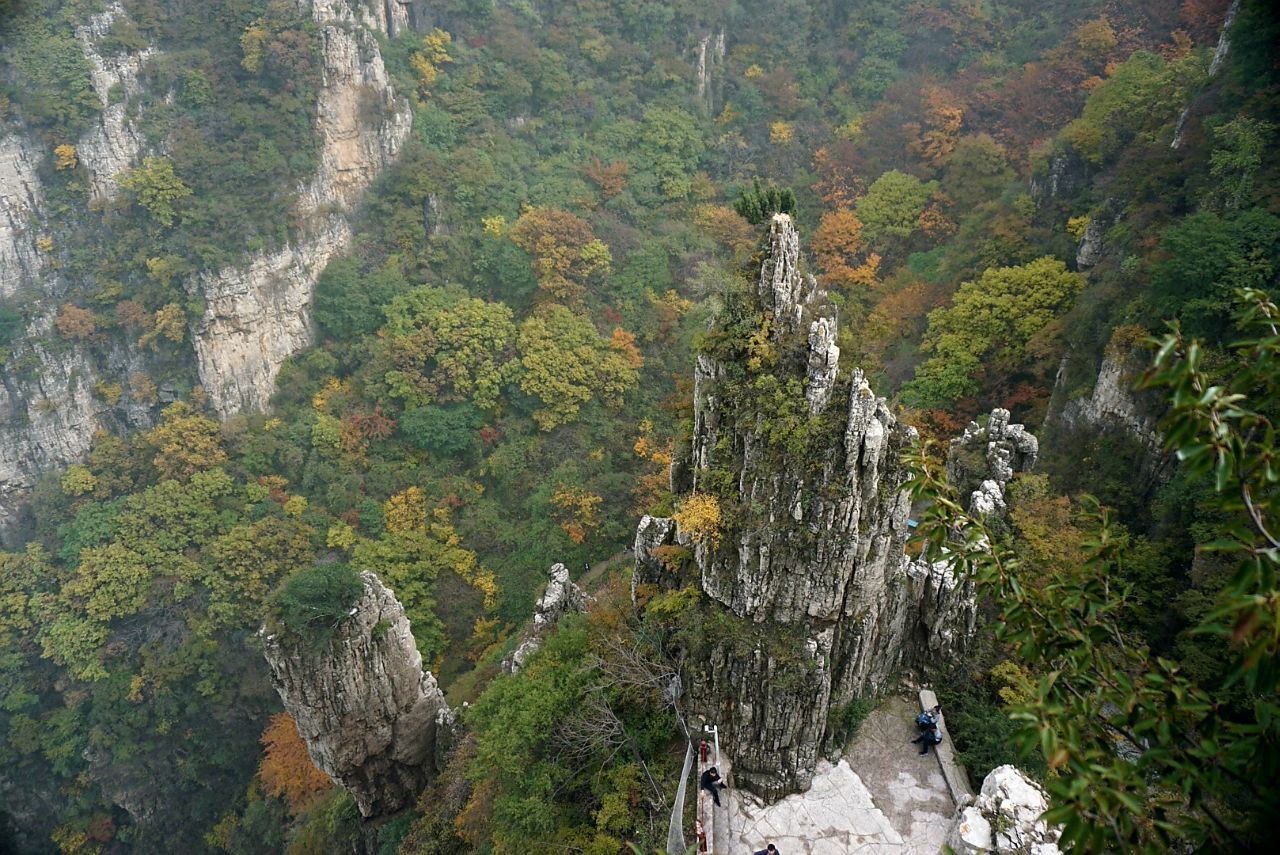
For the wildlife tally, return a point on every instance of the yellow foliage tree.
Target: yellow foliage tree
(427, 61)
(580, 511)
(407, 511)
(185, 442)
(781, 133)
(65, 155)
(170, 322)
(699, 517)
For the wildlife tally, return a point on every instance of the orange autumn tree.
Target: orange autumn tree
(286, 770)
(609, 178)
(566, 253)
(579, 511)
(943, 120)
(654, 483)
(837, 244)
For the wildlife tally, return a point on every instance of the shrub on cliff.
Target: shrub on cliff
(314, 602)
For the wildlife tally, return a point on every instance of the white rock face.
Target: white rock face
(711, 54)
(1113, 403)
(258, 316)
(1004, 818)
(259, 312)
(21, 201)
(113, 144)
(824, 363)
(49, 419)
(373, 720)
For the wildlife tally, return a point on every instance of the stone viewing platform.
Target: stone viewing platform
(882, 797)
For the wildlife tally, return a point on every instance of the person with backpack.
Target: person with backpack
(932, 736)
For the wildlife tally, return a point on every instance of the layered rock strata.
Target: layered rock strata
(811, 560)
(561, 597)
(373, 720)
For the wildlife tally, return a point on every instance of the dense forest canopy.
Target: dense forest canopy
(998, 197)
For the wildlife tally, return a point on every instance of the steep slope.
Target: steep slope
(258, 310)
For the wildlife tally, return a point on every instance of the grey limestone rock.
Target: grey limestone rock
(113, 143)
(372, 718)
(1004, 818)
(811, 561)
(21, 213)
(982, 461)
(561, 597)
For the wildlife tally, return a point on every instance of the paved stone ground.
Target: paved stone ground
(882, 798)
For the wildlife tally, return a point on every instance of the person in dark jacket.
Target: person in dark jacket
(710, 781)
(932, 736)
(768, 850)
(928, 719)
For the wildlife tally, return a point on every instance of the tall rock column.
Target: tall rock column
(804, 462)
(373, 720)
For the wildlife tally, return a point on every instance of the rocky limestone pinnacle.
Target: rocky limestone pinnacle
(811, 561)
(561, 597)
(981, 462)
(374, 721)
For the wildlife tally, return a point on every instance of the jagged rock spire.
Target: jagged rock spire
(374, 721)
(812, 557)
(561, 597)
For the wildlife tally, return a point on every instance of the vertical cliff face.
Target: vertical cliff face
(372, 719)
(259, 312)
(810, 482)
(21, 213)
(114, 142)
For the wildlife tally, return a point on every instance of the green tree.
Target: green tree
(314, 602)
(1241, 145)
(669, 144)
(892, 206)
(445, 346)
(990, 322)
(759, 204)
(156, 187)
(1204, 257)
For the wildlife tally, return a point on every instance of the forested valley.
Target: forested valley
(296, 290)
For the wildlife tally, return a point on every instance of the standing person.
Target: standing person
(932, 736)
(768, 850)
(710, 781)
